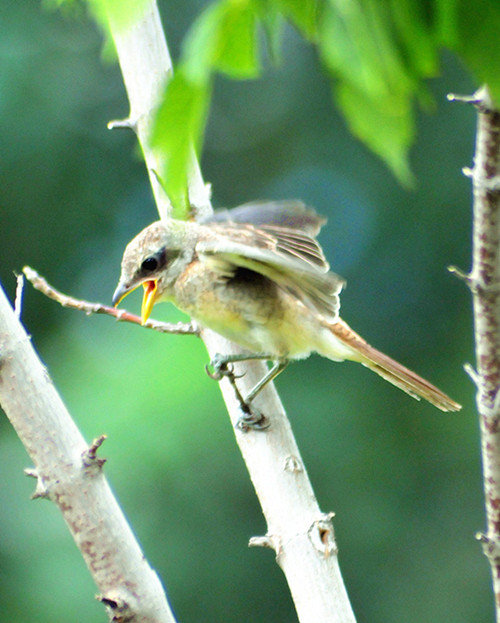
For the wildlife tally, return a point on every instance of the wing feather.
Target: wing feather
(290, 258)
(291, 214)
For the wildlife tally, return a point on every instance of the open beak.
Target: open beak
(148, 299)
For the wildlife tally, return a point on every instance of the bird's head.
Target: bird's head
(154, 259)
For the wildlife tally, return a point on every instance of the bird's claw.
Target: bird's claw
(219, 371)
(251, 420)
(221, 368)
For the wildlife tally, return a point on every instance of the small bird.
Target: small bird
(257, 276)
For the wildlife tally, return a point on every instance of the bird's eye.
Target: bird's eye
(149, 265)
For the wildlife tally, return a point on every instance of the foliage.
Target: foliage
(377, 54)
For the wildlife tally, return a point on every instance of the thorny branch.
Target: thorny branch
(484, 283)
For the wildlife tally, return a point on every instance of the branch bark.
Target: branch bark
(69, 473)
(484, 281)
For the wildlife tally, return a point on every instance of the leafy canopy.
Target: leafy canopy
(377, 53)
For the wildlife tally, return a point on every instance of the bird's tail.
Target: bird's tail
(391, 370)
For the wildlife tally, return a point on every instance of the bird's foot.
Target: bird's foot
(251, 419)
(221, 367)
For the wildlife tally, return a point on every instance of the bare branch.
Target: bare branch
(41, 284)
(69, 473)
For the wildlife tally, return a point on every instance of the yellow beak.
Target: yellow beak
(148, 299)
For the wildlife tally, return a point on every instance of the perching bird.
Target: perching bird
(257, 276)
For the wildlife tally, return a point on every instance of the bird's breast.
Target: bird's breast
(247, 308)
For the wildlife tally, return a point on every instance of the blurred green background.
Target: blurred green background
(403, 479)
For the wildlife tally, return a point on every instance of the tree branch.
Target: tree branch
(484, 282)
(69, 473)
(41, 284)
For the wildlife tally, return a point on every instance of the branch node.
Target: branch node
(468, 172)
(322, 536)
(476, 284)
(490, 184)
(270, 541)
(89, 456)
(293, 464)
(491, 546)
(119, 607)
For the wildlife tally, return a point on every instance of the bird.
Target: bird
(257, 276)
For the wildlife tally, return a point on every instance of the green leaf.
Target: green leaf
(272, 22)
(371, 49)
(224, 39)
(121, 13)
(237, 54)
(446, 22)
(304, 14)
(178, 129)
(415, 32)
(385, 125)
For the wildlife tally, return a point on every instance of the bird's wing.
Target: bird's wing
(291, 213)
(290, 258)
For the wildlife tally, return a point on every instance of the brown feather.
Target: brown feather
(289, 257)
(391, 370)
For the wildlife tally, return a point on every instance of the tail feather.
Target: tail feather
(391, 370)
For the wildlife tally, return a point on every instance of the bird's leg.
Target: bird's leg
(277, 368)
(251, 418)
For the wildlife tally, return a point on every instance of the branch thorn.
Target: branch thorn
(462, 275)
(31, 472)
(474, 99)
(18, 301)
(269, 541)
(41, 490)
(89, 456)
(122, 124)
(472, 373)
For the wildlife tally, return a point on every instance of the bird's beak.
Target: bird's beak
(120, 293)
(148, 299)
